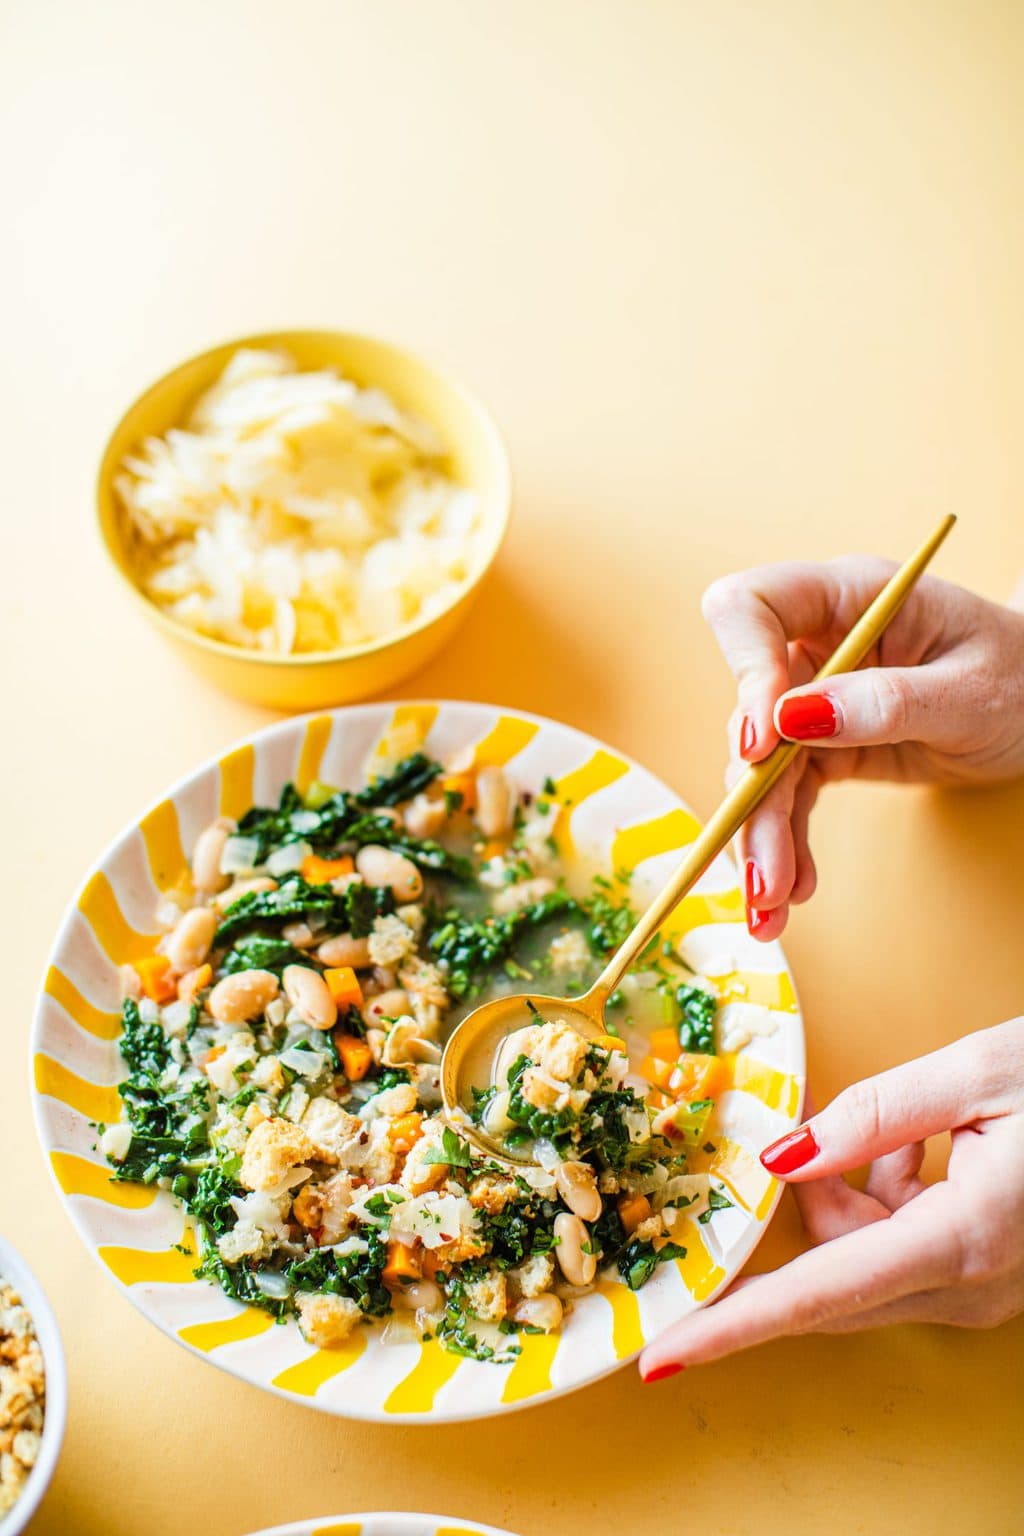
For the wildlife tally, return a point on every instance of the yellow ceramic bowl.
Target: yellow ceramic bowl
(477, 459)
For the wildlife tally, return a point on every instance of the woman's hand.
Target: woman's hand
(941, 698)
(901, 1251)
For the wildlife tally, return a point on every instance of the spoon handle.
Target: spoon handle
(751, 789)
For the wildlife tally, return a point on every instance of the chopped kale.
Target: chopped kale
(263, 952)
(697, 1030)
(355, 1275)
(639, 1260)
(471, 949)
(423, 851)
(327, 821)
(295, 899)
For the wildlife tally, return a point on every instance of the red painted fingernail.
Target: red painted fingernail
(791, 1152)
(748, 736)
(755, 882)
(809, 717)
(756, 920)
(661, 1372)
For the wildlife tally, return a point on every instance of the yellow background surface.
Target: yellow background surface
(740, 282)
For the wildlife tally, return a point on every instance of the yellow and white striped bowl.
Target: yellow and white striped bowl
(615, 811)
(384, 1524)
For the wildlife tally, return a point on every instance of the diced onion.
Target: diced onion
(286, 858)
(240, 855)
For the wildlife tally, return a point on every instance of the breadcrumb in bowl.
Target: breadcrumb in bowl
(347, 620)
(28, 1463)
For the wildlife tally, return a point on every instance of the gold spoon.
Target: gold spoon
(478, 1038)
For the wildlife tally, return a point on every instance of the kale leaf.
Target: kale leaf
(471, 949)
(697, 1030)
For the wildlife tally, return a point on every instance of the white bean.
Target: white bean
(425, 817)
(188, 943)
(577, 1186)
(511, 1048)
(298, 934)
(206, 854)
(343, 949)
(405, 1044)
(382, 866)
(242, 997)
(493, 802)
(543, 1312)
(308, 994)
(578, 1266)
(387, 1005)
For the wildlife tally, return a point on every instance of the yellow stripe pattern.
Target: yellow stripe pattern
(597, 773)
(135, 1266)
(701, 1274)
(662, 834)
(627, 1334)
(416, 1392)
(237, 773)
(420, 717)
(95, 1021)
(743, 1175)
(77, 1176)
(115, 935)
(232, 1330)
(347, 1528)
(92, 1100)
(318, 734)
(767, 988)
(531, 1373)
(505, 741)
(164, 853)
(309, 1375)
(779, 1090)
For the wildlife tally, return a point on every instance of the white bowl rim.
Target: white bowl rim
(743, 1250)
(407, 1522)
(14, 1268)
(316, 659)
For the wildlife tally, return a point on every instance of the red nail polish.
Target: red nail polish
(791, 1152)
(748, 736)
(662, 1372)
(755, 882)
(755, 920)
(808, 717)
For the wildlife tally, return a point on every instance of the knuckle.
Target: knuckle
(893, 698)
(720, 597)
(861, 1106)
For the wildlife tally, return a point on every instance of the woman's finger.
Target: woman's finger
(805, 877)
(766, 848)
(922, 1098)
(829, 1208)
(753, 615)
(893, 1179)
(875, 1265)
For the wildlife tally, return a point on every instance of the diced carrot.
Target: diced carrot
(431, 1263)
(402, 1265)
(193, 982)
(493, 849)
(154, 973)
(463, 784)
(655, 1071)
(405, 1131)
(633, 1209)
(696, 1076)
(664, 1043)
(318, 871)
(355, 1055)
(343, 985)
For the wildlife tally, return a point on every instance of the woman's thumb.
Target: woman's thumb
(879, 706)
